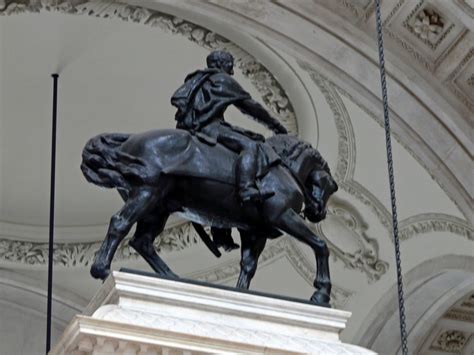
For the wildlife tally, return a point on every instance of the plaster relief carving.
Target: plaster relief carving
(434, 222)
(469, 302)
(409, 227)
(82, 254)
(460, 315)
(383, 213)
(359, 8)
(273, 95)
(470, 81)
(408, 23)
(460, 81)
(216, 330)
(428, 25)
(451, 341)
(345, 232)
(346, 157)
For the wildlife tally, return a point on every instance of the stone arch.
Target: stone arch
(430, 289)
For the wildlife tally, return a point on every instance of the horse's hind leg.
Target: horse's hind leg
(139, 203)
(293, 224)
(147, 230)
(251, 248)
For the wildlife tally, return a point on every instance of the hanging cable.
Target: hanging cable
(388, 143)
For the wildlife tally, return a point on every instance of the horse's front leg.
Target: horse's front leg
(252, 247)
(139, 203)
(291, 223)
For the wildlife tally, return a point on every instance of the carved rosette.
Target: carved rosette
(452, 341)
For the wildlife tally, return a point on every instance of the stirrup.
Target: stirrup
(249, 193)
(252, 194)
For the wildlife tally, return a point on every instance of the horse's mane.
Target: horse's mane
(104, 165)
(290, 148)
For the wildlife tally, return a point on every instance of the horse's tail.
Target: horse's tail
(104, 164)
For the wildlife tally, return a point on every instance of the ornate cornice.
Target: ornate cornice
(172, 239)
(434, 222)
(346, 157)
(272, 92)
(460, 315)
(82, 254)
(452, 77)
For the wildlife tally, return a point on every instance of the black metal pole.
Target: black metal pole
(51, 210)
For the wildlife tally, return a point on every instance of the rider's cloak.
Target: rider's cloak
(204, 96)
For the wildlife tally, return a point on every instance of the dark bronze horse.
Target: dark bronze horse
(165, 171)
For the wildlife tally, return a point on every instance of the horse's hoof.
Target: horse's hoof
(99, 272)
(320, 298)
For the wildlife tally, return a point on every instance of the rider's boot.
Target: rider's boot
(222, 237)
(246, 171)
(249, 193)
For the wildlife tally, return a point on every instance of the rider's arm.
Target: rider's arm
(253, 108)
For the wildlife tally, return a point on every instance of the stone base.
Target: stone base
(143, 315)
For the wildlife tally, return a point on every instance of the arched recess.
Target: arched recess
(23, 312)
(431, 288)
(281, 91)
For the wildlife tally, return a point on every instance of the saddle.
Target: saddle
(203, 157)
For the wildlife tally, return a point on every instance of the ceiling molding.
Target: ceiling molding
(25, 254)
(438, 270)
(346, 161)
(434, 222)
(364, 255)
(272, 92)
(424, 113)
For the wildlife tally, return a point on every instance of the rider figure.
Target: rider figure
(201, 102)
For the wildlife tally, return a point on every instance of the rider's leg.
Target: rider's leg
(246, 171)
(222, 237)
(246, 164)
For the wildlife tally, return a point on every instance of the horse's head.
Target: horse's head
(311, 170)
(320, 186)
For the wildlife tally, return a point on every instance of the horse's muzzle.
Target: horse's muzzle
(315, 213)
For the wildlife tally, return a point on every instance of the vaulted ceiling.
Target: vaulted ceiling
(314, 64)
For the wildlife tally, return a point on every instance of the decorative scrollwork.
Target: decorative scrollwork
(82, 254)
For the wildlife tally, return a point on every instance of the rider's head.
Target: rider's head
(221, 60)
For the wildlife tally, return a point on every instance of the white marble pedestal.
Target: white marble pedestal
(144, 315)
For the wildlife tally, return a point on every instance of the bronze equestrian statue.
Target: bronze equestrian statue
(213, 174)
